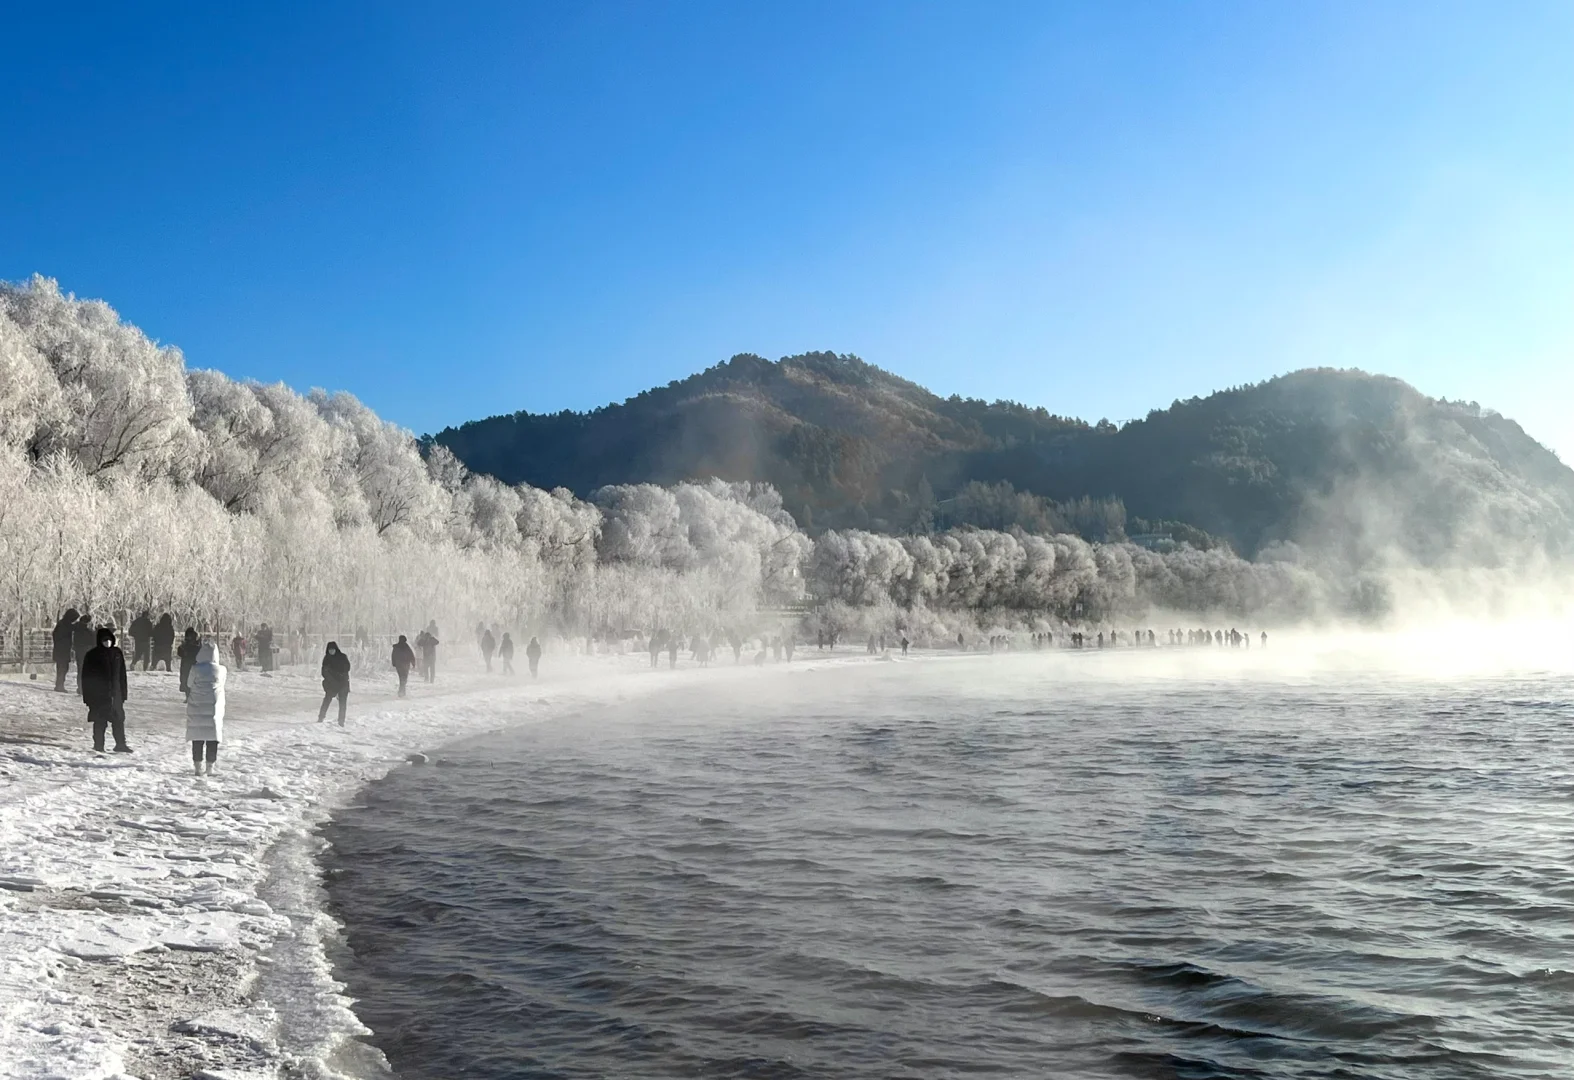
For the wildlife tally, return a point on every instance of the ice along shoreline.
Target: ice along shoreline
(155, 925)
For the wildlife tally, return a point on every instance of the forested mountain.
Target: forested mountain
(1348, 462)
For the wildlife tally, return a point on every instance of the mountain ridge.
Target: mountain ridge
(1340, 459)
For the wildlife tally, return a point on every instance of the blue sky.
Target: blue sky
(459, 210)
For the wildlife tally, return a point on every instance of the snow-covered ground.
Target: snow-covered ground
(156, 924)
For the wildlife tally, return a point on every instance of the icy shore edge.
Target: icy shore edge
(155, 924)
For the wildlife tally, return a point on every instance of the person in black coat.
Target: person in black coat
(265, 647)
(428, 643)
(82, 641)
(403, 661)
(141, 640)
(190, 645)
(60, 642)
(164, 643)
(103, 678)
(505, 653)
(533, 654)
(335, 681)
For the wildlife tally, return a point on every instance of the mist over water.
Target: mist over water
(1118, 865)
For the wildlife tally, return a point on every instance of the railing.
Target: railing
(34, 650)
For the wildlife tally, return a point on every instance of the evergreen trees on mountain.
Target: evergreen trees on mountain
(1337, 460)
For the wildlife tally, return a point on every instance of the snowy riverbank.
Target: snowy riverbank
(155, 924)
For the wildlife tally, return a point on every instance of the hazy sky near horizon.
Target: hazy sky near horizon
(459, 210)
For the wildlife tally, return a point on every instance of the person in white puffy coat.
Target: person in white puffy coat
(205, 708)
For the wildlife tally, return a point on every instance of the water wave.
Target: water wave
(878, 877)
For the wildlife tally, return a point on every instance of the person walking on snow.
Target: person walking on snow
(164, 642)
(103, 678)
(533, 654)
(60, 646)
(488, 647)
(141, 630)
(190, 646)
(404, 660)
(205, 709)
(505, 653)
(238, 651)
(335, 681)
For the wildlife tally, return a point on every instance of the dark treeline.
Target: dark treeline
(1357, 465)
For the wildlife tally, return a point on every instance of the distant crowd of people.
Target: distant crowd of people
(704, 648)
(487, 641)
(1115, 639)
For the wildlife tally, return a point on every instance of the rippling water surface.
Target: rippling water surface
(1030, 867)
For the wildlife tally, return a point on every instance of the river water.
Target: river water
(1103, 866)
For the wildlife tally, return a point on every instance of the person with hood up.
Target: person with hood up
(488, 647)
(164, 642)
(103, 679)
(533, 654)
(190, 646)
(60, 639)
(403, 661)
(505, 653)
(335, 681)
(205, 708)
(83, 639)
(428, 642)
(265, 646)
(141, 631)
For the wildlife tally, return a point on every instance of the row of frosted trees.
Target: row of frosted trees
(977, 578)
(130, 482)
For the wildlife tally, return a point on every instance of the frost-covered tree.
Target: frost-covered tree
(123, 402)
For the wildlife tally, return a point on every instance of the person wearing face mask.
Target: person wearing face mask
(103, 679)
